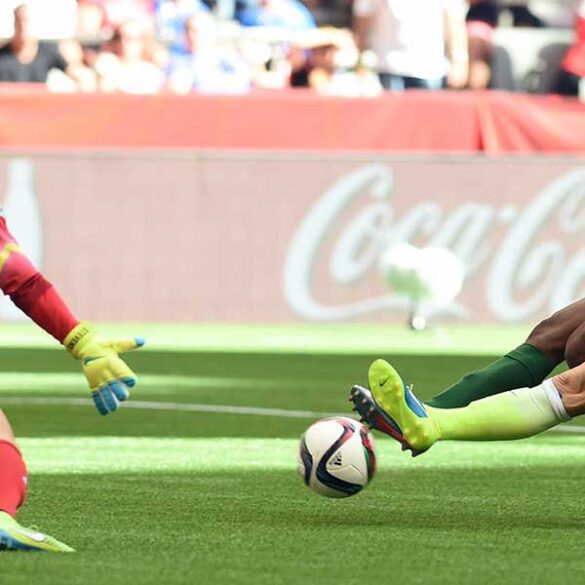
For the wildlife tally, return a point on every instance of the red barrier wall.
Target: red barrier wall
(490, 122)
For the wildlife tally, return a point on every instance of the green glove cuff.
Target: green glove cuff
(78, 338)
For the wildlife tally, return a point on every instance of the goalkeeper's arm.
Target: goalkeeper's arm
(108, 376)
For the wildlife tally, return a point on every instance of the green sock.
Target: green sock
(524, 367)
(511, 415)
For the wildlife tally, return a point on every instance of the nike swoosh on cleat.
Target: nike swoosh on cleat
(36, 536)
(382, 382)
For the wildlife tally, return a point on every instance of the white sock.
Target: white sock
(510, 415)
(555, 400)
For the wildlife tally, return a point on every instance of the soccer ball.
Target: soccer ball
(336, 457)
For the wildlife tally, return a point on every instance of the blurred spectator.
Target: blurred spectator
(482, 19)
(205, 66)
(25, 59)
(108, 14)
(273, 70)
(289, 14)
(54, 19)
(331, 66)
(410, 39)
(127, 64)
(91, 19)
(270, 62)
(171, 16)
(572, 75)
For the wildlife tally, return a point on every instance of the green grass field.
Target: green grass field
(196, 483)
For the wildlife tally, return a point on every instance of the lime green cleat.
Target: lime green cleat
(15, 537)
(402, 408)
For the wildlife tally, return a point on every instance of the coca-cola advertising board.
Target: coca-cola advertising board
(294, 237)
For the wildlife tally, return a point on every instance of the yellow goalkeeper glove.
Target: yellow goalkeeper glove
(108, 376)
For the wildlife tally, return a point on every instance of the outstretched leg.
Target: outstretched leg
(510, 415)
(556, 339)
(560, 337)
(13, 481)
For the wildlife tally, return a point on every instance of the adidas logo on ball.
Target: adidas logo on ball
(337, 460)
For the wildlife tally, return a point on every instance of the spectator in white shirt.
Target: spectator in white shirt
(418, 43)
(127, 66)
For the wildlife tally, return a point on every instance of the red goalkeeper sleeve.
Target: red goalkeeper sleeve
(30, 291)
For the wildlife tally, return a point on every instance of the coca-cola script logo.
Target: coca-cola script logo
(519, 252)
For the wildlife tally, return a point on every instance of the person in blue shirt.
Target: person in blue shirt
(205, 65)
(171, 16)
(289, 14)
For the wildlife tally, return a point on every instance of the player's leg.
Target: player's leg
(524, 367)
(527, 365)
(561, 336)
(13, 480)
(510, 415)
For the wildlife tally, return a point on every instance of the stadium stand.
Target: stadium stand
(524, 58)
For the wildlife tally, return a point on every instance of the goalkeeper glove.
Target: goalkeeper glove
(108, 376)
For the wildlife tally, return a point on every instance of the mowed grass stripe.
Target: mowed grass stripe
(325, 338)
(66, 455)
(69, 383)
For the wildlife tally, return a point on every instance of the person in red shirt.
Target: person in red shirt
(573, 65)
(108, 376)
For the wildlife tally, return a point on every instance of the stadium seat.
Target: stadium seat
(528, 59)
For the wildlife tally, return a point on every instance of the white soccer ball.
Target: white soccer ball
(337, 457)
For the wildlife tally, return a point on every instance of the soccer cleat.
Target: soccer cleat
(15, 537)
(400, 410)
(374, 417)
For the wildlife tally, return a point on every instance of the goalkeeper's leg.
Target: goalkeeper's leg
(510, 415)
(13, 480)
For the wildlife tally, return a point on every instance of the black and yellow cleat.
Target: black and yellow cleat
(375, 418)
